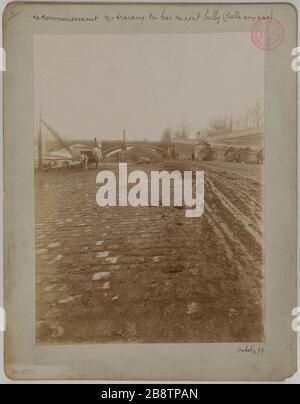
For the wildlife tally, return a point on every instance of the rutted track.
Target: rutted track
(234, 209)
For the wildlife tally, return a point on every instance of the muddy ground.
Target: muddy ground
(124, 274)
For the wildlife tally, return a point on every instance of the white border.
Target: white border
(3, 379)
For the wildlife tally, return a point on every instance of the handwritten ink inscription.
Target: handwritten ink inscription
(251, 349)
(164, 16)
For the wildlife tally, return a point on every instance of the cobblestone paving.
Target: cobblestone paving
(147, 274)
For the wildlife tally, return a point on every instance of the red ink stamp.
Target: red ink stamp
(267, 34)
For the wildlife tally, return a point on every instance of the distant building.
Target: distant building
(184, 149)
(202, 151)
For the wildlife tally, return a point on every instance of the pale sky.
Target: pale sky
(97, 85)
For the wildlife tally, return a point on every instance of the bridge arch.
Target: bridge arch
(118, 148)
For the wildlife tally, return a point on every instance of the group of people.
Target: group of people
(96, 156)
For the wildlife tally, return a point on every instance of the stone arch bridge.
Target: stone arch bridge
(110, 147)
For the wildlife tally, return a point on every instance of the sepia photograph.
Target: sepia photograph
(126, 249)
(150, 194)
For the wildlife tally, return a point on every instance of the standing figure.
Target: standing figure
(84, 161)
(97, 153)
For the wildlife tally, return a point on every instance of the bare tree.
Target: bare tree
(256, 114)
(253, 117)
(183, 132)
(217, 126)
(230, 123)
(166, 137)
(237, 122)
